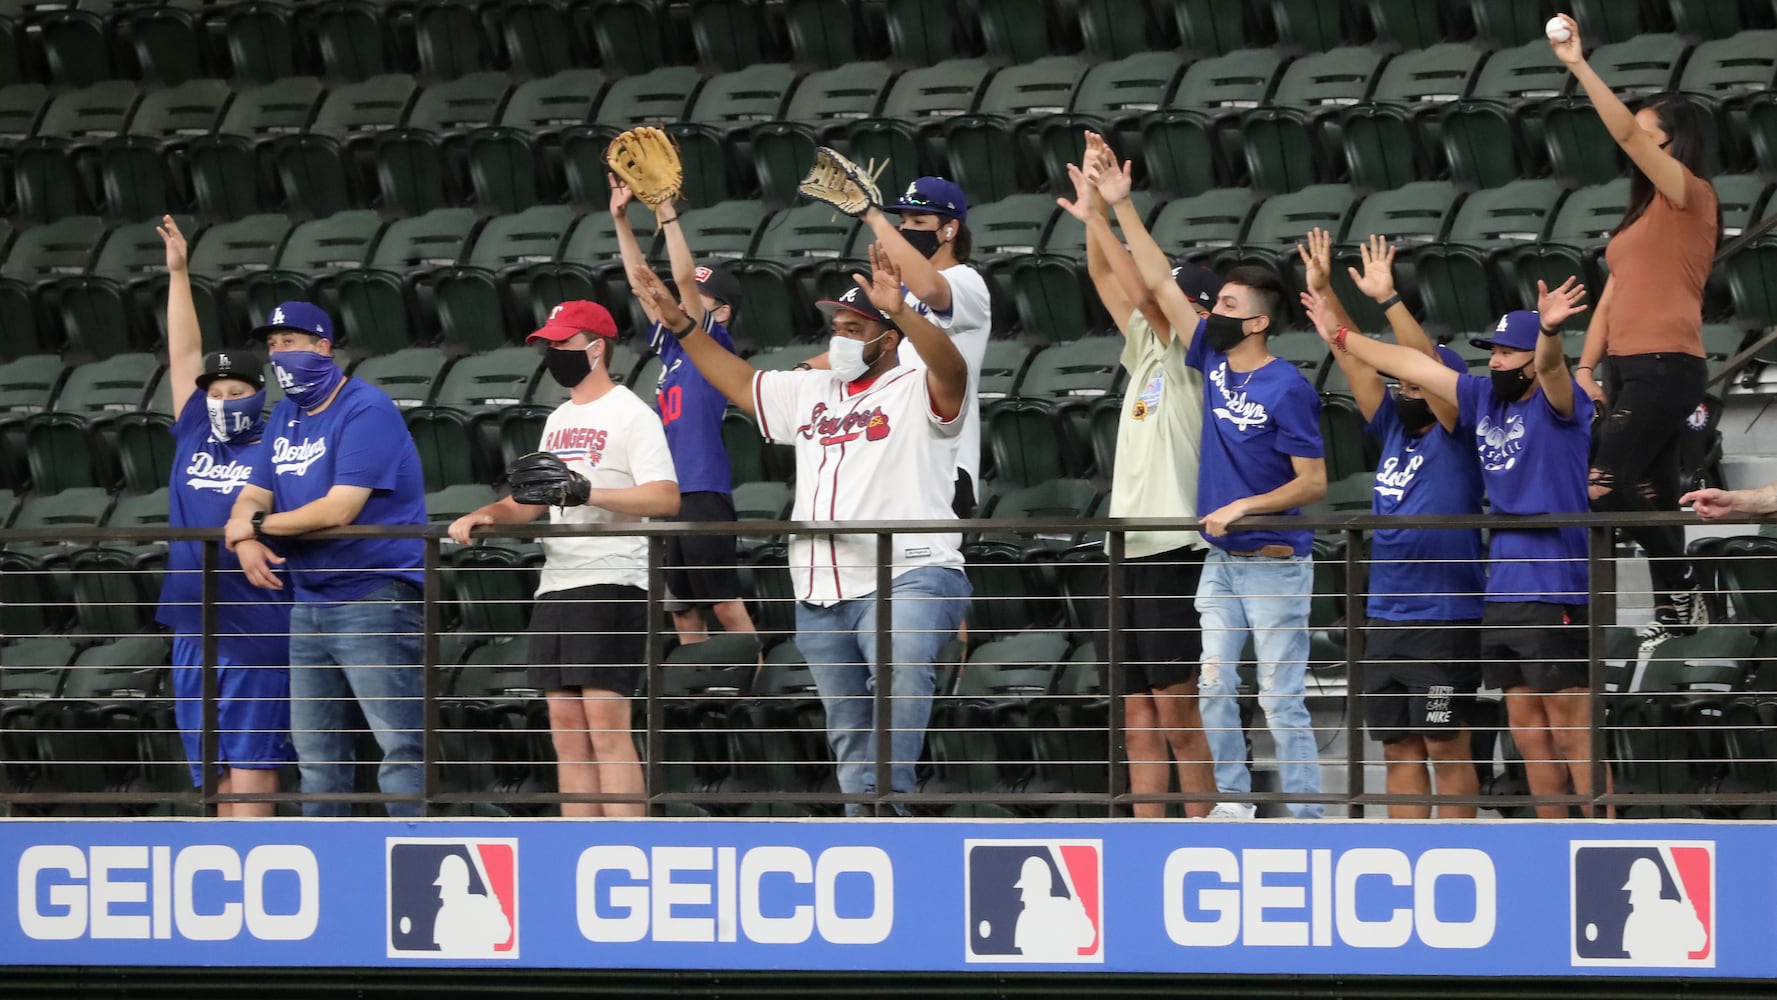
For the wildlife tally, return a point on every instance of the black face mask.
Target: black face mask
(1225, 332)
(568, 368)
(924, 240)
(1510, 386)
(1414, 413)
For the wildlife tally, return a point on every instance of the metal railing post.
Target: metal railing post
(882, 707)
(431, 617)
(1354, 675)
(1597, 550)
(1113, 655)
(209, 740)
(654, 768)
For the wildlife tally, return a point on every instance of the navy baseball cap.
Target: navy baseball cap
(243, 365)
(935, 195)
(1517, 331)
(715, 281)
(1199, 283)
(855, 301)
(303, 317)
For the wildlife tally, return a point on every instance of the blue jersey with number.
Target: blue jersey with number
(691, 411)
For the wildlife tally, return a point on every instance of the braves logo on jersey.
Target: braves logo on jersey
(1644, 904)
(871, 424)
(1034, 901)
(452, 898)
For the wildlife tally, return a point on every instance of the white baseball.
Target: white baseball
(1557, 31)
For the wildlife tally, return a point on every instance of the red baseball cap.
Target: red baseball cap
(579, 316)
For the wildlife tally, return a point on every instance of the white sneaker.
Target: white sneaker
(1234, 810)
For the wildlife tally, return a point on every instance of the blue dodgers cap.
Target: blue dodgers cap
(304, 317)
(1199, 283)
(935, 195)
(1517, 331)
(1452, 360)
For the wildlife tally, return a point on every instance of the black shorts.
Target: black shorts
(1163, 643)
(1419, 678)
(589, 637)
(1535, 644)
(962, 503)
(700, 568)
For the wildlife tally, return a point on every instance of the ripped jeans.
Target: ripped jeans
(1269, 598)
(1636, 459)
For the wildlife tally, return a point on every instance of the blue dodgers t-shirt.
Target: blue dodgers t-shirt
(358, 440)
(206, 481)
(1252, 424)
(1533, 461)
(691, 411)
(1425, 574)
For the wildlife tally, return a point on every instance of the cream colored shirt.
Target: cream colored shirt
(1158, 439)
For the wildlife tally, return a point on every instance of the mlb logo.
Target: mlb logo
(452, 898)
(1644, 904)
(1034, 901)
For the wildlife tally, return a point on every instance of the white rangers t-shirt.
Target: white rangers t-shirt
(969, 321)
(870, 453)
(615, 441)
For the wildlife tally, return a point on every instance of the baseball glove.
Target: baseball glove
(841, 183)
(647, 159)
(543, 480)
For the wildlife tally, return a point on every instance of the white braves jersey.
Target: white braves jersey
(969, 321)
(876, 454)
(616, 442)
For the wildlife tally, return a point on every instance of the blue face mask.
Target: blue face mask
(308, 377)
(240, 420)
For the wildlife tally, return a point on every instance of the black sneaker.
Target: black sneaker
(1666, 624)
(1692, 608)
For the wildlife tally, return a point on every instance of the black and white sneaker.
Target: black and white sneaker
(1692, 608)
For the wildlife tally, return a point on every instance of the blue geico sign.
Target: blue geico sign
(1529, 899)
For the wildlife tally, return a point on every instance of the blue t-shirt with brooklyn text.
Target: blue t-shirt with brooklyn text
(1425, 574)
(358, 440)
(691, 410)
(206, 481)
(1533, 461)
(1253, 423)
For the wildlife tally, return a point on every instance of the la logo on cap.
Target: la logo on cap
(222, 361)
(912, 189)
(277, 315)
(1502, 323)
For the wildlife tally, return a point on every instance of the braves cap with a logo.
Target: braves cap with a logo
(715, 281)
(934, 195)
(1199, 283)
(243, 365)
(1516, 331)
(853, 301)
(302, 317)
(574, 317)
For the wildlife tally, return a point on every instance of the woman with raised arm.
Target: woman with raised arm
(1648, 328)
(219, 400)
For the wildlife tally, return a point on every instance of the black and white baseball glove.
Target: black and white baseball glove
(544, 480)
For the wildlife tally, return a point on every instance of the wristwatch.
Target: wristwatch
(259, 523)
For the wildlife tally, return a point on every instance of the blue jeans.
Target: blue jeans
(368, 650)
(1269, 598)
(839, 644)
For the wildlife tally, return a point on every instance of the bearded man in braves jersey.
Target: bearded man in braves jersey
(875, 440)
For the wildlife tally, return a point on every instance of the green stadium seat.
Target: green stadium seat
(36, 671)
(1410, 216)
(760, 500)
(590, 267)
(1725, 74)
(35, 594)
(1304, 350)
(451, 502)
(1575, 243)
(420, 166)
(1604, 21)
(450, 39)
(103, 311)
(1509, 22)
(91, 737)
(311, 260)
(1415, 24)
(1282, 221)
(257, 35)
(1190, 146)
(70, 445)
(825, 33)
(1709, 20)
(1752, 281)
(817, 113)
(1209, 27)
(135, 174)
(456, 432)
(229, 177)
(482, 301)
(1020, 31)
(662, 94)
(986, 148)
(517, 163)
(54, 171)
(116, 585)
(712, 142)
(731, 35)
(1393, 138)
(40, 254)
(327, 168)
(1050, 296)
(1006, 233)
(1459, 286)
(1580, 148)
(9, 50)
(352, 37)
(1110, 100)
(1206, 227)
(145, 441)
(21, 105)
(1350, 450)
(926, 32)
(1111, 30)
(1314, 25)
(779, 277)
(1491, 137)
(537, 37)
(632, 36)
(1067, 236)
(27, 385)
(75, 47)
(381, 305)
(903, 133)
(1293, 140)
(408, 375)
(222, 258)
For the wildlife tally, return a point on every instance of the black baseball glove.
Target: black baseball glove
(544, 480)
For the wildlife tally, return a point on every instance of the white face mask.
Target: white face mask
(846, 356)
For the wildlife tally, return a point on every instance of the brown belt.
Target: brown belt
(1269, 552)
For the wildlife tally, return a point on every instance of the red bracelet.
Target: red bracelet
(1339, 336)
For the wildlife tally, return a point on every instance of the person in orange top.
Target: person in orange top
(1648, 327)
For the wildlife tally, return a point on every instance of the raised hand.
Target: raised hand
(1085, 194)
(1114, 181)
(620, 194)
(657, 299)
(1556, 305)
(1320, 313)
(1570, 51)
(883, 287)
(175, 241)
(1377, 281)
(1317, 259)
